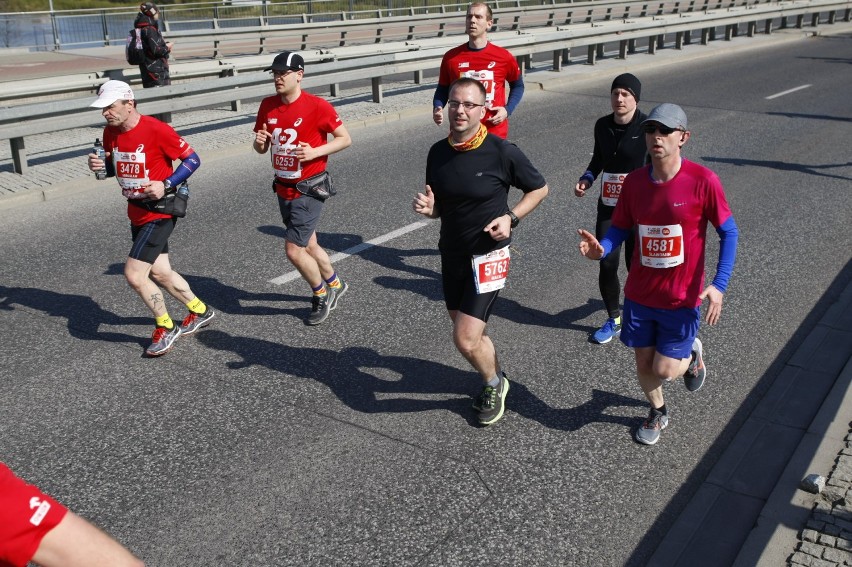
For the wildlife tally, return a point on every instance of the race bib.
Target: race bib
(490, 270)
(131, 173)
(661, 246)
(611, 187)
(285, 162)
(487, 79)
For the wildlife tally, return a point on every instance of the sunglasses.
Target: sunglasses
(664, 130)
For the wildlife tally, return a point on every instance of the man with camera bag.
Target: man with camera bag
(139, 153)
(295, 126)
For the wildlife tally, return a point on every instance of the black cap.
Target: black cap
(628, 82)
(287, 61)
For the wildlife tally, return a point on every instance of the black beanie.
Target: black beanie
(628, 82)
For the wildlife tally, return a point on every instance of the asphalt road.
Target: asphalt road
(261, 441)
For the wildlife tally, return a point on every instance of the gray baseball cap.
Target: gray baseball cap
(668, 114)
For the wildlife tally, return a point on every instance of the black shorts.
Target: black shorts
(460, 289)
(151, 239)
(301, 217)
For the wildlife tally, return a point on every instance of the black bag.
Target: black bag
(173, 203)
(134, 51)
(320, 186)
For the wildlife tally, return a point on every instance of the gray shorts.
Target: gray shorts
(301, 217)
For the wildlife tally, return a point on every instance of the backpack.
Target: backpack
(134, 52)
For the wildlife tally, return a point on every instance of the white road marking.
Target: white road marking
(770, 97)
(294, 275)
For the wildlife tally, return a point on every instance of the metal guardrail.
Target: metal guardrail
(18, 122)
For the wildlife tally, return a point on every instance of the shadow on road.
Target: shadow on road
(369, 382)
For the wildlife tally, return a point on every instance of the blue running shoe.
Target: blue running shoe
(609, 330)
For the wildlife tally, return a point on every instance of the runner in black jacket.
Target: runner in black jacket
(619, 149)
(155, 69)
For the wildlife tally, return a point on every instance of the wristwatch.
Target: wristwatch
(515, 219)
(167, 184)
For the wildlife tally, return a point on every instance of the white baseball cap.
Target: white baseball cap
(112, 91)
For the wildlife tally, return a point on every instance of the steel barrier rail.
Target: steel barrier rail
(18, 122)
(431, 26)
(415, 26)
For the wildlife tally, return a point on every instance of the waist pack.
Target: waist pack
(320, 186)
(173, 203)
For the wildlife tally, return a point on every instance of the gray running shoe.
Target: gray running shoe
(321, 307)
(694, 376)
(344, 287)
(194, 321)
(492, 402)
(649, 433)
(480, 399)
(162, 340)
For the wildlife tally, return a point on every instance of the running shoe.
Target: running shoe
(479, 400)
(492, 402)
(338, 293)
(694, 376)
(321, 307)
(606, 333)
(162, 340)
(194, 321)
(649, 433)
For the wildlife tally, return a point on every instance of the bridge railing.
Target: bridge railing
(334, 67)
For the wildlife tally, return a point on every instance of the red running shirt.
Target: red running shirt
(492, 66)
(308, 119)
(26, 516)
(144, 153)
(670, 219)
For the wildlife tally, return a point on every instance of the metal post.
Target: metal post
(56, 45)
(105, 29)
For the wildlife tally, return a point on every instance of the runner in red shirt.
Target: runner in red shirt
(294, 126)
(491, 65)
(35, 527)
(139, 154)
(668, 204)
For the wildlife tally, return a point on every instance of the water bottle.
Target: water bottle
(183, 190)
(101, 153)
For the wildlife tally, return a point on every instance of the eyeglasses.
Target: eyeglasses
(278, 74)
(454, 104)
(664, 130)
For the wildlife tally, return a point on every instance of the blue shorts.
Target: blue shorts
(671, 331)
(301, 217)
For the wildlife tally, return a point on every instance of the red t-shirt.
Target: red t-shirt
(492, 66)
(144, 154)
(308, 119)
(670, 219)
(26, 516)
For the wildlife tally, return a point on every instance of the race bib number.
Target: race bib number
(662, 246)
(490, 270)
(131, 173)
(285, 162)
(487, 79)
(611, 187)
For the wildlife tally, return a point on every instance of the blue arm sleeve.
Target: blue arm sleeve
(728, 236)
(186, 168)
(516, 91)
(442, 93)
(613, 239)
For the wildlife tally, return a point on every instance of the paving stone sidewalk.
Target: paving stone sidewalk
(826, 541)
